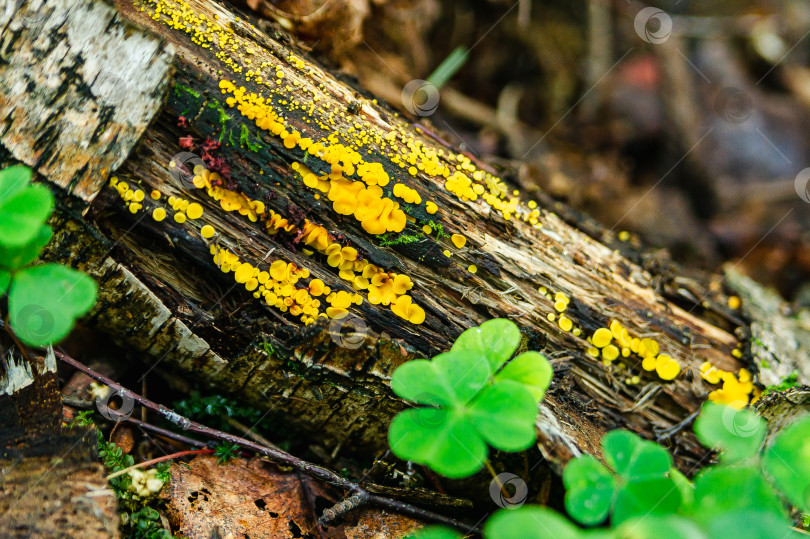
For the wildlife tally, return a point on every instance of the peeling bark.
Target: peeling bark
(162, 295)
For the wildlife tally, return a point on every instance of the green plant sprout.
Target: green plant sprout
(470, 400)
(742, 496)
(43, 300)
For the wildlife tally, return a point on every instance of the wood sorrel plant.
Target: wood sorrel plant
(472, 398)
(43, 300)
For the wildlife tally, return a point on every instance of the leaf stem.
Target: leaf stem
(160, 459)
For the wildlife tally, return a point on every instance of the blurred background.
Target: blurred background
(683, 122)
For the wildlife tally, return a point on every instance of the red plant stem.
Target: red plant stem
(160, 459)
(318, 472)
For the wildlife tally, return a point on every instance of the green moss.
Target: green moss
(393, 239)
(438, 228)
(789, 381)
(178, 88)
(244, 140)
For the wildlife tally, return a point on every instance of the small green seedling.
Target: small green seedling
(226, 452)
(470, 400)
(43, 300)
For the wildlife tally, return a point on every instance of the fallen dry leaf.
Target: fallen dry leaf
(244, 499)
(373, 523)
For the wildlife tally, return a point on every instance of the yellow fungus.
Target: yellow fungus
(560, 305)
(610, 352)
(207, 231)
(194, 211)
(243, 273)
(458, 240)
(447, 253)
(624, 235)
(431, 207)
(601, 337)
(155, 194)
(565, 323)
(551, 317)
(666, 367)
(426, 229)
(158, 214)
(472, 268)
(593, 352)
(734, 302)
(648, 364)
(180, 217)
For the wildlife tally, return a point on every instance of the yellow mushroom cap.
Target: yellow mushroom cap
(207, 231)
(243, 273)
(601, 337)
(565, 323)
(666, 367)
(458, 240)
(158, 214)
(610, 352)
(648, 364)
(648, 347)
(279, 271)
(194, 211)
(180, 217)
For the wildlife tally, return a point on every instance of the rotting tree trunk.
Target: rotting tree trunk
(75, 103)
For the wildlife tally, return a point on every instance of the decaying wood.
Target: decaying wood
(164, 298)
(51, 484)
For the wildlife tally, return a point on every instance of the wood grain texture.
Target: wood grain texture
(162, 295)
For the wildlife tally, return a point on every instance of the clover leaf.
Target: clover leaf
(661, 527)
(589, 489)
(638, 484)
(531, 522)
(17, 257)
(24, 208)
(724, 489)
(464, 412)
(788, 462)
(530, 369)
(496, 340)
(737, 433)
(45, 300)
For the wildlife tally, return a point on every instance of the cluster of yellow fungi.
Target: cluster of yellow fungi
(736, 391)
(615, 340)
(561, 302)
(183, 209)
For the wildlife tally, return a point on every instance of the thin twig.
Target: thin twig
(160, 459)
(318, 472)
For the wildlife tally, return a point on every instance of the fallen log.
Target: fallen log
(263, 226)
